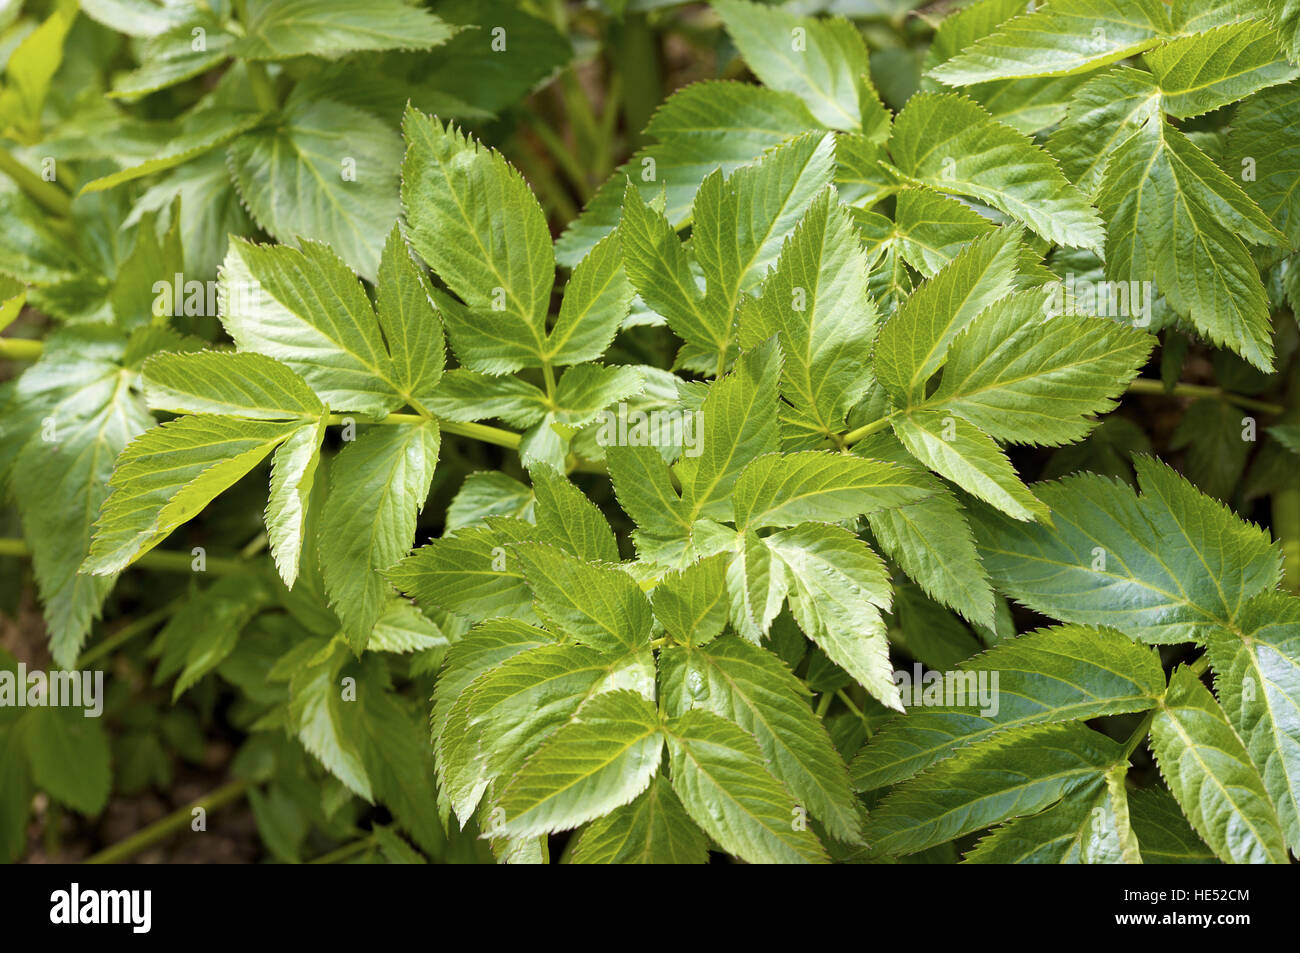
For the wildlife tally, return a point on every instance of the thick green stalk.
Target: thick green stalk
(21, 349)
(161, 559)
(178, 820)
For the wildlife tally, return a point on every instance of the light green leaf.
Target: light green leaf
(931, 540)
(1257, 674)
(951, 144)
(718, 773)
(787, 489)
(1199, 73)
(1066, 36)
(1174, 218)
(326, 172)
(308, 310)
(1265, 137)
(596, 300)
(597, 605)
(280, 29)
(837, 588)
(653, 829)
(692, 603)
(824, 62)
(566, 515)
(1024, 377)
(225, 382)
(1210, 773)
(702, 127)
(378, 485)
(601, 760)
(1167, 566)
(293, 471)
(816, 301)
(914, 343)
(1088, 826)
(474, 219)
(1066, 673)
(410, 324)
(1018, 773)
(167, 475)
(956, 450)
(752, 687)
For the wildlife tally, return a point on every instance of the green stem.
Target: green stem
(346, 851)
(1135, 739)
(161, 559)
(258, 78)
(853, 436)
(637, 55)
(45, 194)
(127, 632)
(176, 821)
(564, 156)
(1144, 385)
(495, 435)
(21, 349)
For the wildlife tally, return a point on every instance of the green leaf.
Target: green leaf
(816, 301)
(78, 395)
(653, 829)
(1066, 673)
(692, 603)
(293, 471)
(170, 57)
(1015, 774)
(601, 760)
(199, 133)
(931, 540)
(756, 585)
(307, 310)
(1167, 566)
(752, 687)
(913, 344)
(738, 421)
(410, 324)
(787, 489)
(378, 486)
(596, 300)
(1163, 831)
(318, 715)
(1257, 674)
(700, 128)
(597, 605)
(1173, 217)
(224, 382)
(824, 62)
(1024, 377)
(1199, 73)
(1264, 139)
(1210, 773)
(837, 588)
(718, 773)
(488, 493)
(326, 172)
(955, 449)
(474, 219)
(167, 475)
(280, 29)
(951, 144)
(1088, 826)
(566, 515)
(471, 572)
(69, 756)
(1066, 36)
